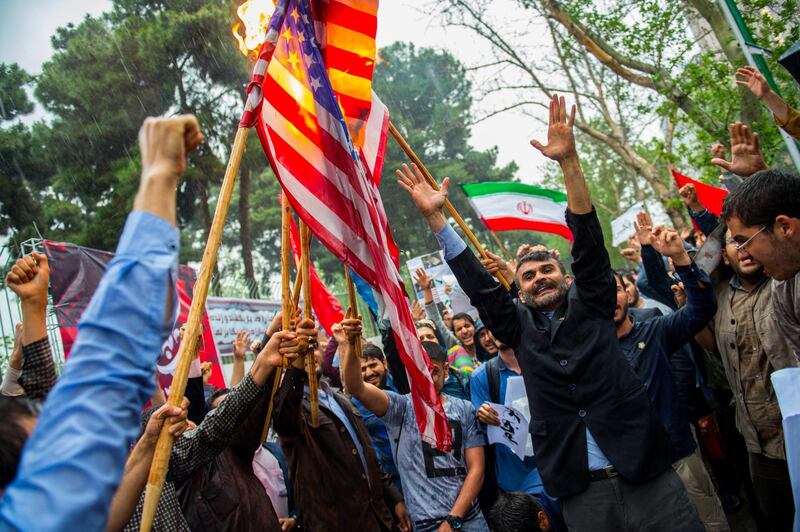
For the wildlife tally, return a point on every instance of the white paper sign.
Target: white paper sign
(512, 431)
(622, 226)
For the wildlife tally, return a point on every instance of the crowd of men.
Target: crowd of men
(648, 389)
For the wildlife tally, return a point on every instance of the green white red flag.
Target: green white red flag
(506, 206)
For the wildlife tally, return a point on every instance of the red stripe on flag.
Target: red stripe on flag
(354, 107)
(354, 19)
(307, 124)
(332, 197)
(516, 224)
(349, 62)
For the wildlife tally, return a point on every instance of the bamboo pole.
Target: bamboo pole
(352, 304)
(158, 469)
(311, 366)
(500, 244)
(449, 206)
(287, 310)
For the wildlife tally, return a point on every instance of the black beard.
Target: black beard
(558, 295)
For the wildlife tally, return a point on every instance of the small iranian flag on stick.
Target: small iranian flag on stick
(505, 206)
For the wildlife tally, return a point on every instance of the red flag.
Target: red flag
(710, 197)
(307, 141)
(326, 307)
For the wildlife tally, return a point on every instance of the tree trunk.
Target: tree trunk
(244, 230)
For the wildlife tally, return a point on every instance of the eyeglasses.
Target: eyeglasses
(741, 248)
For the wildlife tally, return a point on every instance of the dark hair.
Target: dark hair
(515, 512)
(435, 352)
(463, 316)
(540, 256)
(369, 351)
(13, 435)
(763, 197)
(213, 397)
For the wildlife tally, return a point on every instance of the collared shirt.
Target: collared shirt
(92, 414)
(752, 346)
(452, 245)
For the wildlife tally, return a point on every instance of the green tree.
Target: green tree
(429, 99)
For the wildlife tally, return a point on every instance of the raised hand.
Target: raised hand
(560, 138)
(351, 326)
(29, 278)
(643, 226)
(240, 345)
(719, 150)
(428, 200)
(746, 157)
(688, 194)
(754, 80)
(670, 244)
(423, 279)
(632, 254)
(417, 311)
(165, 143)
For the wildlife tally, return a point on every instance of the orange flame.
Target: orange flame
(254, 15)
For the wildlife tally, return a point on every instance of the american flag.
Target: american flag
(307, 140)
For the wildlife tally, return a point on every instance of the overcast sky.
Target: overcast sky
(26, 27)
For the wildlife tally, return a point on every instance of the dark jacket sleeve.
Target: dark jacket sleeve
(591, 265)
(38, 369)
(288, 408)
(247, 439)
(328, 368)
(658, 279)
(705, 220)
(197, 399)
(495, 305)
(701, 305)
(396, 367)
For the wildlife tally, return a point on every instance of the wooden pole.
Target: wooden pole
(158, 469)
(311, 366)
(287, 311)
(449, 206)
(351, 298)
(500, 244)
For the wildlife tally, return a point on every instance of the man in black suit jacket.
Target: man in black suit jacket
(599, 444)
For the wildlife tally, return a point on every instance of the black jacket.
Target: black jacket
(574, 371)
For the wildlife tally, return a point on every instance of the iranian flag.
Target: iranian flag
(505, 206)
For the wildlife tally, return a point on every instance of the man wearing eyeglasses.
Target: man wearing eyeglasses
(752, 346)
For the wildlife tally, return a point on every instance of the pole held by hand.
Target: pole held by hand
(447, 204)
(158, 469)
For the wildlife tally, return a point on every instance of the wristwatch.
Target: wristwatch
(454, 521)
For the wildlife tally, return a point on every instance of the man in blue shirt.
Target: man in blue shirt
(92, 414)
(513, 474)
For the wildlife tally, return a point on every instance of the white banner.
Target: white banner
(228, 316)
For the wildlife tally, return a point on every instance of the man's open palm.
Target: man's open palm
(427, 199)
(560, 138)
